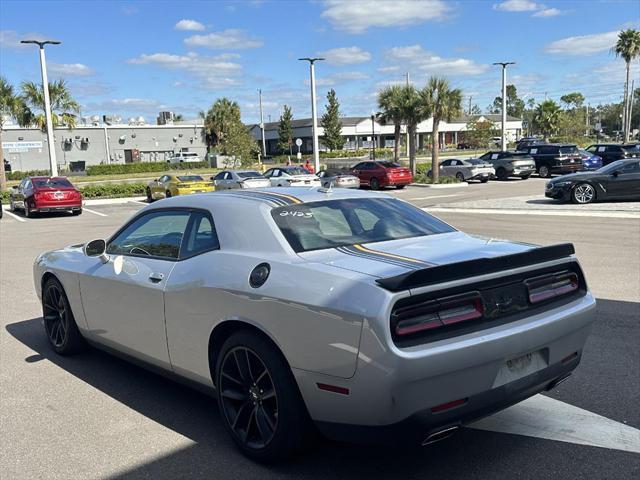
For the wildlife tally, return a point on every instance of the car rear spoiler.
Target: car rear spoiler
(472, 268)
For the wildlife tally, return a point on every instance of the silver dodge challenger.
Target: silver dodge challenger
(347, 312)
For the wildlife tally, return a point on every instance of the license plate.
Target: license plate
(58, 194)
(520, 367)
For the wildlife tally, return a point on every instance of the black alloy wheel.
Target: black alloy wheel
(59, 323)
(258, 398)
(167, 194)
(374, 183)
(502, 174)
(149, 196)
(544, 171)
(460, 176)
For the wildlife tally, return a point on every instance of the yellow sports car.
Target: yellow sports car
(171, 185)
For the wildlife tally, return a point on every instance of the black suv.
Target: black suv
(555, 158)
(610, 152)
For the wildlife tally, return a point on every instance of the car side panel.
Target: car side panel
(308, 312)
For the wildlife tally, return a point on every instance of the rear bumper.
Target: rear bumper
(394, 390)
(570, 168)
(56, 207)
(189, 191)
(394, 181)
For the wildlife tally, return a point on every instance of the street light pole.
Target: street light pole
(373, 137)
(53, 164)
(264, 145)
(504, 102)
(314, 120)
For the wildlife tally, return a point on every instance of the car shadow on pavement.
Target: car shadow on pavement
(470, 454)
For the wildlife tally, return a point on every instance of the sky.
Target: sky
(135, 58)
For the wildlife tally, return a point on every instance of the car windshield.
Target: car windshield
(568, 150)
(52, 183)
(612, 167)
(296, 171)
(249, 175)
(190, 178)
(389, 164)
(335, 223)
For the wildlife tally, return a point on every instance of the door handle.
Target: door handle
(156, 277)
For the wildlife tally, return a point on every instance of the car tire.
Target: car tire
(27, 211)
(59, 323)
(502, 174)
(258, 399)
(168, 194)
(583, 193)
(76, 212)
(524, 177)
(460, 176)
(12, 206)
(400, 187)
(149, 196)
(544, 171)
(374, 183)
(484, 179)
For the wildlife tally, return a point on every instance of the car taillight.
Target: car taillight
(551, 286)
(438, 313)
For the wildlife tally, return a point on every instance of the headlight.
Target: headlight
(562, 184)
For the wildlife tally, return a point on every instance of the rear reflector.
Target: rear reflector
(448, 405)
(551, 286)
(333, 388)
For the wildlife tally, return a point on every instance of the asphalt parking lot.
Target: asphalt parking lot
(94, 416)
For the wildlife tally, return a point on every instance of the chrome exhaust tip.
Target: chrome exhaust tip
(440, 435)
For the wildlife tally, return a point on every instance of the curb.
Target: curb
(440, 185)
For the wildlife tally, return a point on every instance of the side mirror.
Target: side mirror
(96, 248)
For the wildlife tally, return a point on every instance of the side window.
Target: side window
(157, 234)
(358, 166)
(485, 156)
(446, 163)
(219, 176)
(268, 173)
(591, 148)
(201, 236)
(633, 167)
(614, 149)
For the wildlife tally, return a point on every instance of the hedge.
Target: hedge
(143, 167)
(113, 190)
(18, 175)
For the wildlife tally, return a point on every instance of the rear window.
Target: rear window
(335, 223)
(190, 178)
(389, 164)
(249, 175)
(52, 183)
(568, 150)
(631, 148)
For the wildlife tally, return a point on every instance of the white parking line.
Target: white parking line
(546, 417)
(94, 212)
(557, 213)
(138, 201)
(436, 196)
(13, 215)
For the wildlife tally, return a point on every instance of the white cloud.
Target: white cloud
(231, 38)
(425, 62)
(517, 6)
(346, 56)
(189, 25)
(358, 16)
(547, 12)
(214, 72)
(10, 39)
(583, 44)
(70, 69)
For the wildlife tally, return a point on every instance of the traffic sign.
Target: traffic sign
(299, 142)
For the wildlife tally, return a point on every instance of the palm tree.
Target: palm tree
(390, 105)
(64, 109)
(546, 117)
(627, 48)
(220, 117)
(11, 106)
(443, 103)
(414, 110)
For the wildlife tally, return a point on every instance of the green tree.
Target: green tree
(480, 132)
(443, 103)
(547, 117)
(333, 139)
(390, 103)
(573, 100)
(628, 48)
(414, 110)
(515, 105)
(285, 130)
(238, 142)
(219, 119)
(475, 110)
(11, 106)
(64, 109)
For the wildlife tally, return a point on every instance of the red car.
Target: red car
(46, 194)
(382, 174)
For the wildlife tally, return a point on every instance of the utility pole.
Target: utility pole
(264, 144)
(53, 164)
(314, 120)
(504, 102)
(373, 137)
(470, 97)
(587, 125)
(630, 101)
(407, 126)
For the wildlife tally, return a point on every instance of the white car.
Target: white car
(465, 170)
(181, 157)
(291, 177)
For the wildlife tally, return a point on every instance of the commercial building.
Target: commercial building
(359, 131)
(26, 148)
